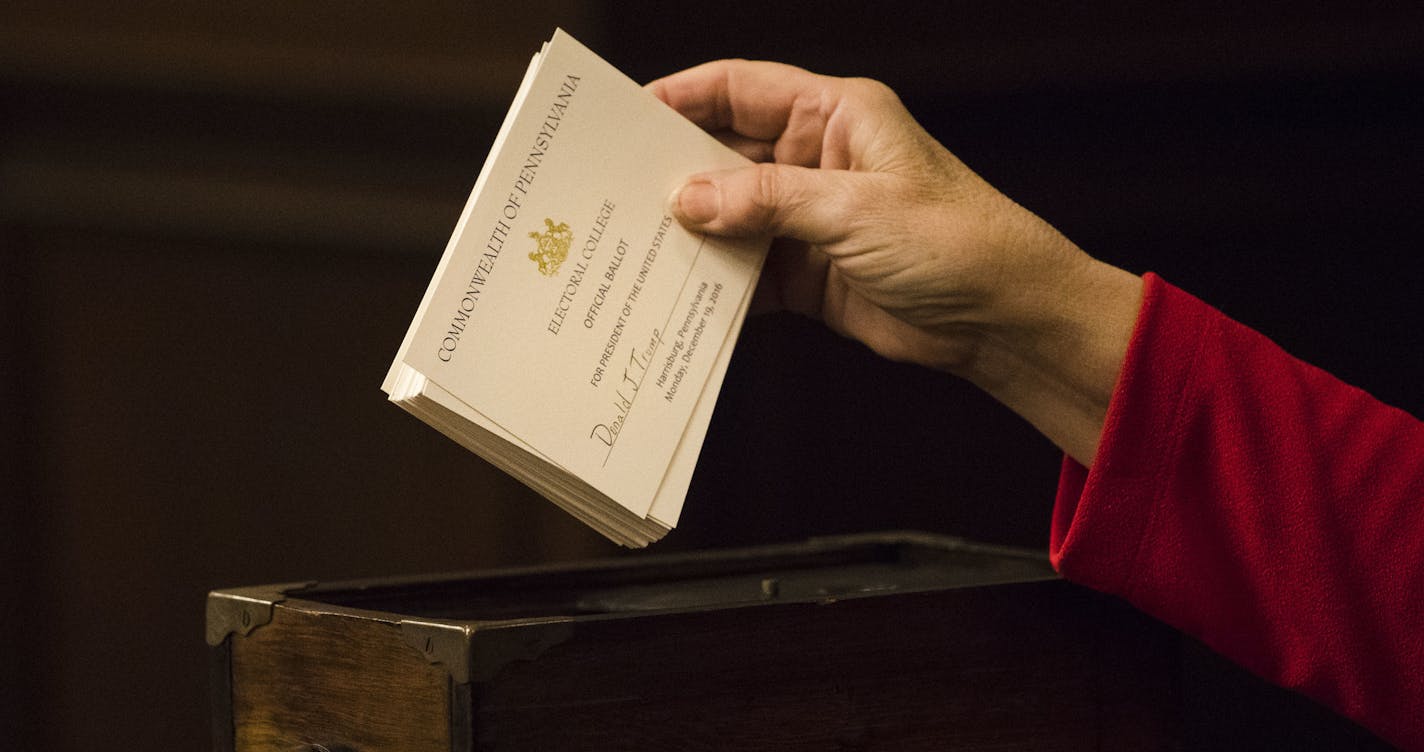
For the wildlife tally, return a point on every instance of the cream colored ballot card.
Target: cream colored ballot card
(571, 310)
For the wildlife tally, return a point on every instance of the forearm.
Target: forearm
(1054, 350)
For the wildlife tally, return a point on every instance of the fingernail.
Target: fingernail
(699, 201)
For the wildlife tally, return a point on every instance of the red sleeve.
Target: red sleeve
(1262, 506)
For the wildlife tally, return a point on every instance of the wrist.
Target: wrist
(1052, 350)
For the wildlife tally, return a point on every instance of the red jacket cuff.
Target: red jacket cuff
(1108, 509)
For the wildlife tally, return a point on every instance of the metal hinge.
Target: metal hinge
(241, 610)
(451, 644)
(445, 643)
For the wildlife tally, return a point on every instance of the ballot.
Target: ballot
(574, 334)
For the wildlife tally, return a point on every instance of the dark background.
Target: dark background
(216, 220)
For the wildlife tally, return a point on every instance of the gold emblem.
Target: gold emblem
(553, 247)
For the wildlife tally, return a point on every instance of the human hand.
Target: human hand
(890, 239)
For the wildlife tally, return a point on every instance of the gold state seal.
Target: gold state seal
(553, 247)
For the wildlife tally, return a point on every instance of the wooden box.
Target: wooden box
(878, 642)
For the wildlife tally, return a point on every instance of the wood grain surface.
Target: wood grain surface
(336, 681)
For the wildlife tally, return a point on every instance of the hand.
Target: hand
(890, 239)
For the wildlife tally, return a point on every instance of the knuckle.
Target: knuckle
(766, 192)
(873, 91)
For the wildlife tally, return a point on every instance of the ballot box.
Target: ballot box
(895, 641)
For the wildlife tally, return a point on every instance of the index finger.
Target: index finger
(760, 100)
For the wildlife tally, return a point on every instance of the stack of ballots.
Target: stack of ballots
(574, 335)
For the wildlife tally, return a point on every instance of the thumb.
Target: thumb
(803, 203)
